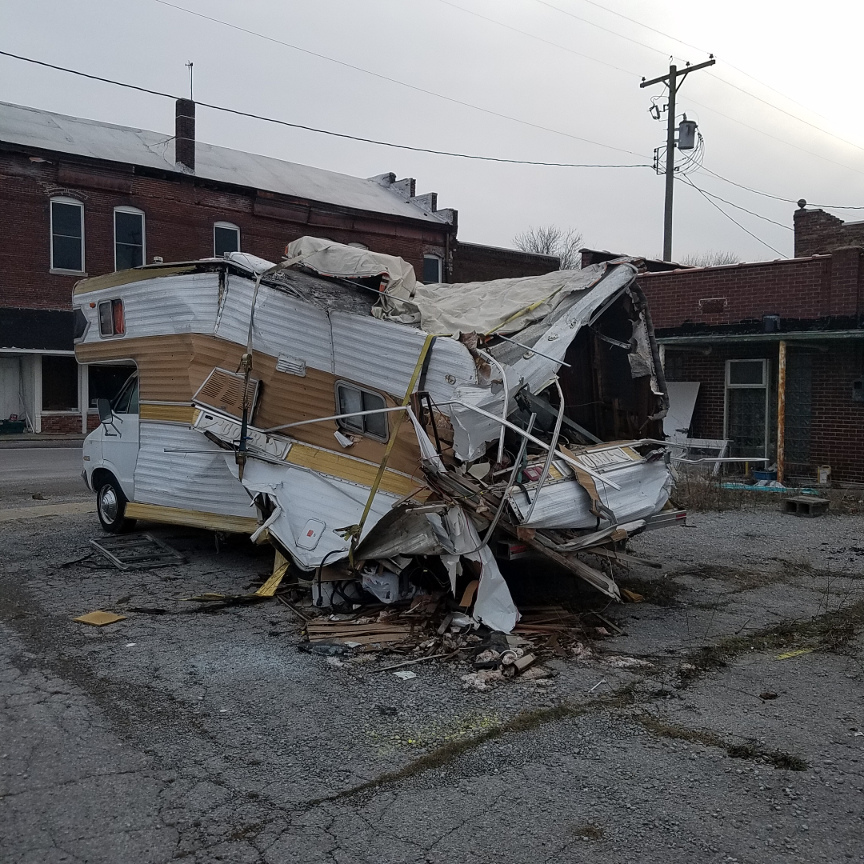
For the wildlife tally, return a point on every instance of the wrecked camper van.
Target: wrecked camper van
(371, 426)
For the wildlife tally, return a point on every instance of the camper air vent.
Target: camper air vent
(291, 365)
(223, 391)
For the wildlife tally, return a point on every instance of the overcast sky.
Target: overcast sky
(588, 88)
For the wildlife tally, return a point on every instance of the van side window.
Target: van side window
(112, 320)
(351, 399)
(127, 399)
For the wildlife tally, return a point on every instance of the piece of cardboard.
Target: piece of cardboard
(100, 618)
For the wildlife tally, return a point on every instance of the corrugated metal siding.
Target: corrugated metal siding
(154, 307)
(283, 324)
(375, 353)
(192, 481)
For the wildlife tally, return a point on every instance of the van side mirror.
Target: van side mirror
(106, 415)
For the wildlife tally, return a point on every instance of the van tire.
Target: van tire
(111, 507)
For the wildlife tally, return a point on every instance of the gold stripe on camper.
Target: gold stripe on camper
(192, 518)
(352, 470)
(168, 413)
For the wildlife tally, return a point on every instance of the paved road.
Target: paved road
(52, 472)
(203, 735)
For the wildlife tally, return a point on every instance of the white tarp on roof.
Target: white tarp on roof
(500, 306)
(327, 258)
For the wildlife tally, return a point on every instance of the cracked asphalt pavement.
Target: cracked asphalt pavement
(207, 736)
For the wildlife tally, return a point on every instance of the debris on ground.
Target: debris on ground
(100, 618)
(138, 551)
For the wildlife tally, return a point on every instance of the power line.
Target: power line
(713, 75)
(777, 197)
(784, 111)
(732, 219)
(382, 77)
(731, 204)
(537, 38)
(776, 138)
(314, 129)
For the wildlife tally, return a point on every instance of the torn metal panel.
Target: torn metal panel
(178, 467)
(644, 490)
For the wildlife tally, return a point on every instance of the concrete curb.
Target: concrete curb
(13, 442)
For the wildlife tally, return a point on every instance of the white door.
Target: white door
(9, 386)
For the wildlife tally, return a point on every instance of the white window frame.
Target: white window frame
(430, 256)
(64, 199)
(362, 390)
(765, 385)
(229, 226)
(136, 211)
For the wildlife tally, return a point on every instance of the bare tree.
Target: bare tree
(714, 258)
(562, 243)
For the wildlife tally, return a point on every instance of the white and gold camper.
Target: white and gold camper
(356, 415)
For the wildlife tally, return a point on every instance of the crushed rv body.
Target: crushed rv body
(365, 423)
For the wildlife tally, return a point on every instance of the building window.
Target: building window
(67, 235)
(226, 238)
(747, 407)
(433, 269)
(351, 399)
(59, 383)
(112, 321)
(129, 247)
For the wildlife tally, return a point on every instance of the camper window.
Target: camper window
(352, 399)
(112, 321)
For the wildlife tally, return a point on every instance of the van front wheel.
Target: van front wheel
(111, 507)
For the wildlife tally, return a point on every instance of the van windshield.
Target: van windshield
(126, 401)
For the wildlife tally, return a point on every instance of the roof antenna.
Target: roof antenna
(189, 66)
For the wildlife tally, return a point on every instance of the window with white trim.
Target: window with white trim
(129, 240)
(67, 235)
(747, 408)
(433, 269)
(351, 400)
(226, 238)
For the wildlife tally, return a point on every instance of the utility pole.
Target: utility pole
(674, 80)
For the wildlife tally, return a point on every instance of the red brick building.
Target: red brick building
(82, 198)
(778, 333)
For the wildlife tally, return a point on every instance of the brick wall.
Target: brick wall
(179, 216)
(836, 423)
(800, 291)
(817, 232)
(473, 262)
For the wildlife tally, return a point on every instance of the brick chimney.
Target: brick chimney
(184, 134)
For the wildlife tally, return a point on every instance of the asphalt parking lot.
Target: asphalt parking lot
(724, 723)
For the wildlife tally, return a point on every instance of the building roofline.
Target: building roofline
(741, 265)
